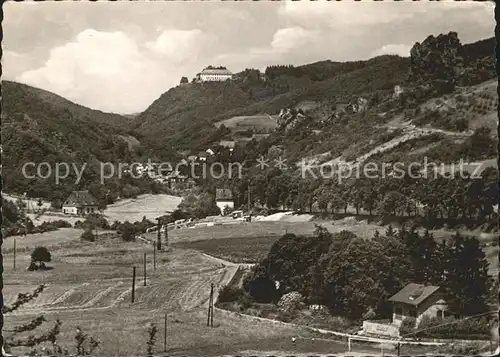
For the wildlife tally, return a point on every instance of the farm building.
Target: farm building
(79, 203)
(223, 198)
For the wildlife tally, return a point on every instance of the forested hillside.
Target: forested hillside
(41, 127)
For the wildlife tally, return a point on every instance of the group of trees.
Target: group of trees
(448, 196)
(199, 205)
(354, 277)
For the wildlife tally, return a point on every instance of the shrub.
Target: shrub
(230, 293)
(244, 301)
(407, 326)
(152, 331)
(127, 230)
(85, 346)
(88, 236)
(287, 316)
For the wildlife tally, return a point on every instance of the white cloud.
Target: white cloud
(13, 64)
(292, 38)
(100, 70)
(393, 49)
(179, 46)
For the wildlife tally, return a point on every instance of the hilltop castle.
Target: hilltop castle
(214, 74)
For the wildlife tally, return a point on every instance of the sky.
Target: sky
(121, 56)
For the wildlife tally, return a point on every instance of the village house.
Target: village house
(214, 74)
(80, 203)
(413, 301)
(224, 198)
(417, 301)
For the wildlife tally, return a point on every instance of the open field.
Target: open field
(264, 229)
(148, 205)
(256, 122)
(52, 239)
(242, 250)
(38, 219)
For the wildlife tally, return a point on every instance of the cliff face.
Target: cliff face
(443, 60)
(436, 59)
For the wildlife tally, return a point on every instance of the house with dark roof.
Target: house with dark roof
(80, 203)
(224, 198)
(417, 301)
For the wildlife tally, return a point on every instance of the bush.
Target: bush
(407, 326)
(127, 230)
(230, 293)
(88, 236)
(244, 301)
(287, 316)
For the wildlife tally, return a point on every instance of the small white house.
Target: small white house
(80, 203)
(210, 152)
(224, 198)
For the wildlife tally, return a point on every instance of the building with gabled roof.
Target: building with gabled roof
(417, 301)
(80, 203)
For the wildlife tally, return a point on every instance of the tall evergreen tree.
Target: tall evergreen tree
(466, 275)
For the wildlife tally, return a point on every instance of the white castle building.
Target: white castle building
(214, 74)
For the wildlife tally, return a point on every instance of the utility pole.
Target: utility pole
(165, 335)
(14, 253)
(210, 318)
(249, 198)
(212, 310)
(133, 284)
(144, 269)
(158, 239)
(166, 235)
(154, 257)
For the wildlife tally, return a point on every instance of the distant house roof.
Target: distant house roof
(223, 194)
(414, 294)
(80, 198)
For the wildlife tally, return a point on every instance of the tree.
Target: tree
(184, 80)
(465, 270)
(259, 285)
(40, 255)
(87, 235)
(127, 231)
